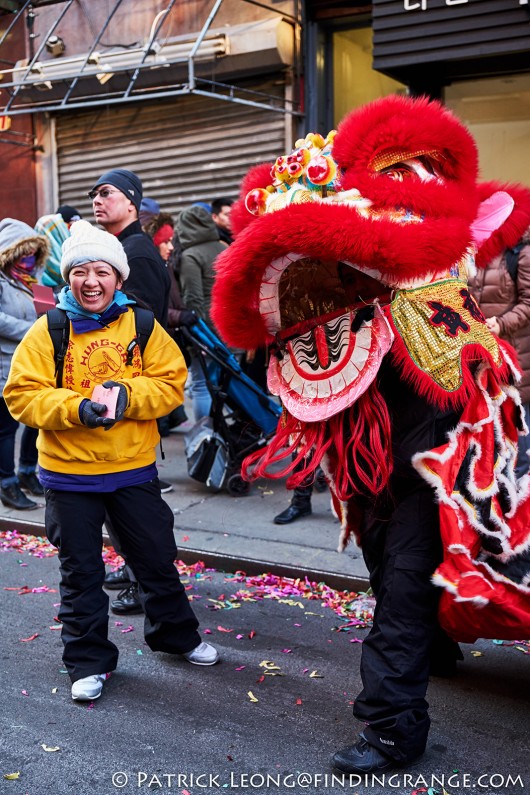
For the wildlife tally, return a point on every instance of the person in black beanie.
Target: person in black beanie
(116, 200)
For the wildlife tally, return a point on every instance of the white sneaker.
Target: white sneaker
(203, 654)
(89, 688)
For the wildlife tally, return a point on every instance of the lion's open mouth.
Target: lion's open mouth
(330, 333)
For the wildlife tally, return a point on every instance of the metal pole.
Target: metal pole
(17, 17)
(36, 56)
(94, 45)
(147, 48)
(198, 42)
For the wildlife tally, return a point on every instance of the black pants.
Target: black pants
(144, 524)
(402, 547)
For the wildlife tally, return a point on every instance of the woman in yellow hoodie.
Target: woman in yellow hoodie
(94, 460)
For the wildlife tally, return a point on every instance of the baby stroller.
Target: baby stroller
(242, 417)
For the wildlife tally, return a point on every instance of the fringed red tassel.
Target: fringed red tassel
(358, 440)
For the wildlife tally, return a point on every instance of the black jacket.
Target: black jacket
(148, 280)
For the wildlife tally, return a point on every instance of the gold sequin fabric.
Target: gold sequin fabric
(389, 157)
(436, 322)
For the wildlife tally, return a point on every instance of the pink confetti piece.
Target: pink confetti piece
(241, 667)
(297, 625)
(118, 623)
(207, 631)
(356, 640)
(185, 538)
(224, 629)
(130, 628)
(238, 637)
(24, 692)
(31, 637)
(287, 651)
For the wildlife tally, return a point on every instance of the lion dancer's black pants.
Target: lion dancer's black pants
(402, 547)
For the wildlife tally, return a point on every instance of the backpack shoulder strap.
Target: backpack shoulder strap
(145, 322)
(59, 331)
(512, 259)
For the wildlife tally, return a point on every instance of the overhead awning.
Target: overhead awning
(213, 63)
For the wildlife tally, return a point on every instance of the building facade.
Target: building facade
(191, 93)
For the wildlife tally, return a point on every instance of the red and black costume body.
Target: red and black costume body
(351, 261)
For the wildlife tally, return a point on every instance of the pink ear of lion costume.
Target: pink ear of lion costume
(356, 249)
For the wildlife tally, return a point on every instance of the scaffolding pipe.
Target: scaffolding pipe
(198, 42)
(92, 49)
(36, 56)
(147, 49)
(14, 22)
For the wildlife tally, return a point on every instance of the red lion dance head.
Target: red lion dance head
(356, 247)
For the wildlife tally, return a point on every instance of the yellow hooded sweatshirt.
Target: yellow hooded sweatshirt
(154, 382)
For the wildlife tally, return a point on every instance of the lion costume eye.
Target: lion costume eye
(421, 167)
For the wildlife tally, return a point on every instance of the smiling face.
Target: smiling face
(93, 285)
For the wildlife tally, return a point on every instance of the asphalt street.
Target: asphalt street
(266, 719)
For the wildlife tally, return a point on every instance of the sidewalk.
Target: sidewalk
(237, 533)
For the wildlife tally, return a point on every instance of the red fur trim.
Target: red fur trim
(357, 441)
(410, 125)
(322, 231)
(257, 177)
(513, 228)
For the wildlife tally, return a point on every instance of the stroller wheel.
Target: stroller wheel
(236, 486)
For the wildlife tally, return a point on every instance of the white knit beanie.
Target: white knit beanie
(87, 243)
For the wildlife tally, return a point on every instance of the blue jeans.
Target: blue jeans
(28, 448)
(200, 396)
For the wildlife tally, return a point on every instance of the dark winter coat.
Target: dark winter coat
(200, 247)
(498, 295)
(148, 279)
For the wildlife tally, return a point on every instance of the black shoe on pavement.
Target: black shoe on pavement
(30, 483)
(292, 513)
(116, 580)
(13, 497)
(362, 758)
(165, 486)
(127, 601)
(320, 484)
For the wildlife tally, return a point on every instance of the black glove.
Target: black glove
(91, 415)
(187, 317)
(122, 401)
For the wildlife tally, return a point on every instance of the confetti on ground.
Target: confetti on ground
(12, 776)
(31, 637)
(477, 654)
(252, 697)
(24, 692)
(315, 675)
(354, 609)
(49, 748)
(130, 628)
